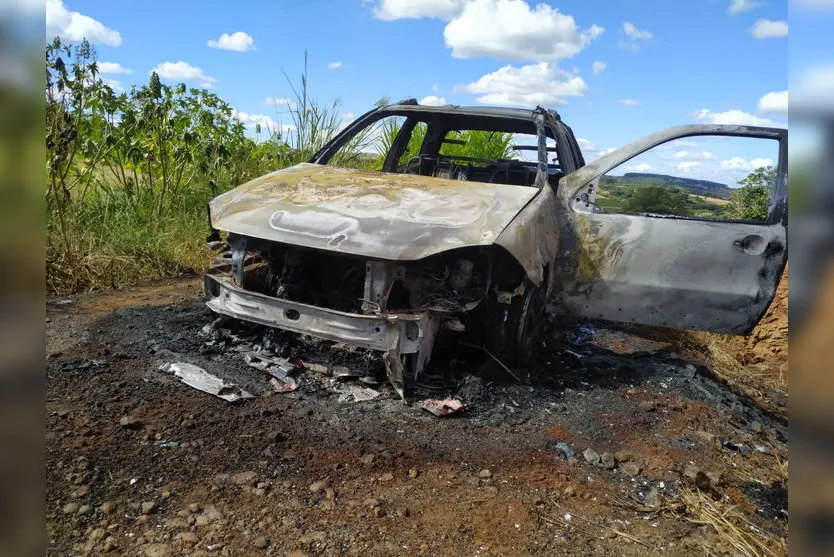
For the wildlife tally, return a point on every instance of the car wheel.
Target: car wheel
(516, 329)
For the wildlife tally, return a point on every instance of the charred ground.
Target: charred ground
(140, 464)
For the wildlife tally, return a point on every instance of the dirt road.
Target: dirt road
(140, 464)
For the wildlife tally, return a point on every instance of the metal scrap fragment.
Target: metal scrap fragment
(283, 386)
(442, 407)
(200, 379)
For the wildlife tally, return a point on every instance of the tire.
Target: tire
(516, 329)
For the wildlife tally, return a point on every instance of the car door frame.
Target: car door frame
(601, 254)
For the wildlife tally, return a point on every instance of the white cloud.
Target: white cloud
(415, 9)
(607, 151)
(634, 37)
(512, 30)
(768, 29)
(75, 26)
(642, 167)
(432, 100)
(112, 67)
(774, 102)
(268, 125)
(335, 64)
(598, 67)
(585, 145)
(114, 84)
(632, 32)
(686, 166)
(530, 85)
(279, 102)
(183, 71)
(737, 117)
(703, 155)
(239, 42)
(348, 116)
(628, 102)
(739, 6)
(738, 163)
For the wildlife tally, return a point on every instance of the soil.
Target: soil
(139, 463)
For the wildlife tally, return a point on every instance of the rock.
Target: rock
(194, 508)
(623, 456)
(413, 473)
(81, 491)
(71, 508)
(485, 474)
(107, 507)
(260, 542)
(653, 499)
(148, 507)
(244, 478)
(212, 513)
(691, 471)
(698, 477)
(706, 437)
(130, 422)
(368, 459)
(756, 427)
(157, 550)
(370, 502)
(318, 486)
(109, 544)
(296, 554)
(570, 491)
(647, 406)
(387, 477)
(631, 469)
(716, 478)
(378, 512)
(85, 509)
(591, 456)
(607, 460)
(311, 537)
(188, 538)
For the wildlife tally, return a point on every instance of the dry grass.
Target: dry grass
(733, 529)
(728, 357)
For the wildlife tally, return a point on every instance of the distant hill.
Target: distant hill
(696, 187)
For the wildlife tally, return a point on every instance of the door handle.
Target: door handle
(752, 244)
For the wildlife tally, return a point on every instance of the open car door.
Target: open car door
(694, 266)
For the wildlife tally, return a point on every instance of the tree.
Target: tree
(662, 200)
(751, 200)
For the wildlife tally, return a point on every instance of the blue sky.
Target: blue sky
(615, 70)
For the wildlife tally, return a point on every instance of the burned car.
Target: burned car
(438, 244)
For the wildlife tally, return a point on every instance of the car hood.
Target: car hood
(374, 214)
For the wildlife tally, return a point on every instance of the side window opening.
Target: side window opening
(368, 149)
(713, 177)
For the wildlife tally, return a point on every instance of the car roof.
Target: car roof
(411, 106)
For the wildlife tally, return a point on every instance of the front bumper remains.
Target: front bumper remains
(394, 334)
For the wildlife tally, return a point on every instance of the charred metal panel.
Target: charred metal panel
(676, 273)
(671, 271)
(375, 332)
(373, 214)
(533, 236)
